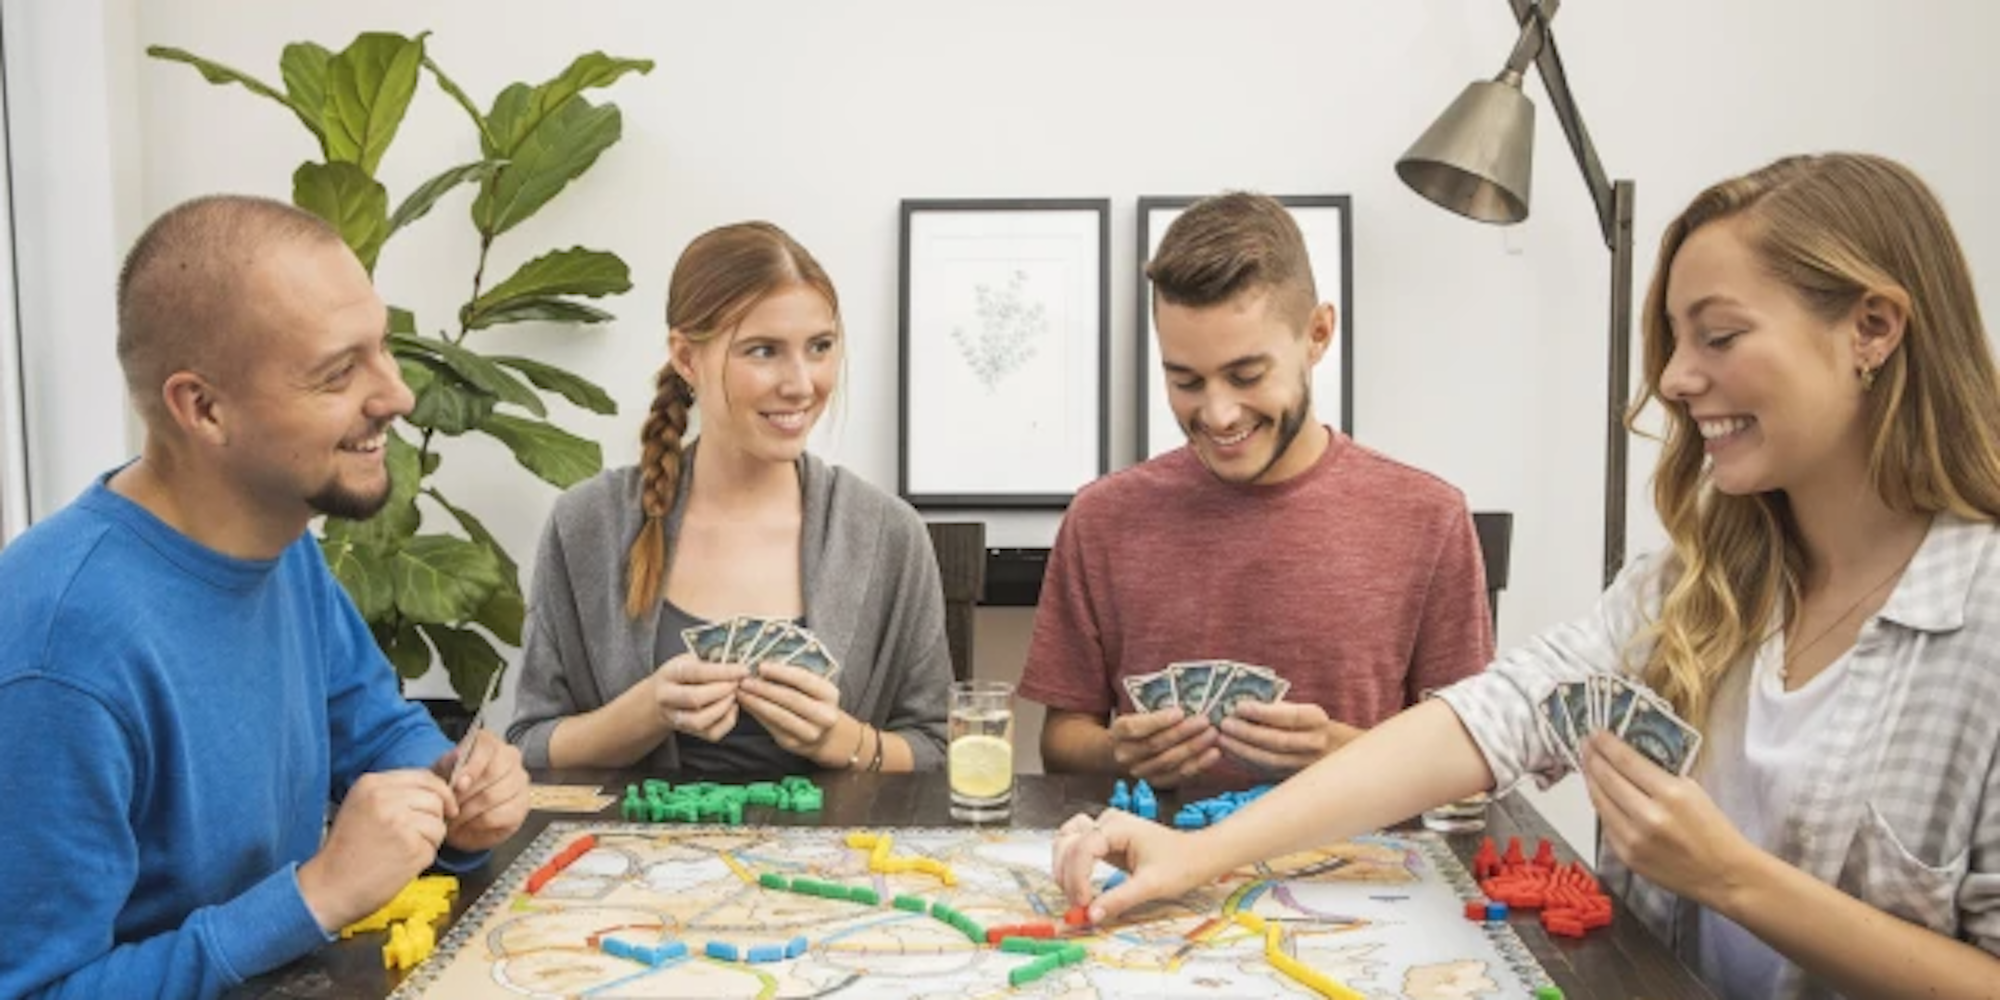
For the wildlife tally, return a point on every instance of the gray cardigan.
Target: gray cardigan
(872, 596)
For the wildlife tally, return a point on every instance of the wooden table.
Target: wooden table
(1622, 960)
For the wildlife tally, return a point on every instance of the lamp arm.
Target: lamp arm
(1614, 218)
(1533, 18)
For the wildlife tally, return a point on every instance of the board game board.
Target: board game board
(1382, 915)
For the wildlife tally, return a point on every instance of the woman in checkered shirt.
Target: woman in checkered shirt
(1825, 616)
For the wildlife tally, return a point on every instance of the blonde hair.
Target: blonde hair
(1835, 229)
(723, 275)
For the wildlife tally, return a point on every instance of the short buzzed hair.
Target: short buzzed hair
(181, 292)
(1224, 246)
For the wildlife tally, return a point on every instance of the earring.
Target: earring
(1868, 378)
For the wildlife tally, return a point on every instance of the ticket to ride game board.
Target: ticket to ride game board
(639, 910)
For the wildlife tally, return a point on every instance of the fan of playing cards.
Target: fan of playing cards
(1629, 711)
(1205, 687)
(753, 641)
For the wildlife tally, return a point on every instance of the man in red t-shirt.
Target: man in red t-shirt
(1270, 539)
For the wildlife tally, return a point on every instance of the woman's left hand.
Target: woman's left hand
(799, 707)
(1664, 827)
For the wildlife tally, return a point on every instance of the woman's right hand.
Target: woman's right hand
(697, 697)
(1155, 856)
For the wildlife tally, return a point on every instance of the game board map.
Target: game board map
(1381, 915)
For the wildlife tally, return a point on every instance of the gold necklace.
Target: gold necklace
(1792, 654)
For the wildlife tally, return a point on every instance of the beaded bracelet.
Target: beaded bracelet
(876, 764)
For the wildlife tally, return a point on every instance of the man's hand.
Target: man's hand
(1283, 736)
(1165, 747)
(697, 697)
(385, 834)
(491, 790)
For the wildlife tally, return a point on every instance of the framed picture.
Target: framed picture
(1325, 221)
(1005, 350)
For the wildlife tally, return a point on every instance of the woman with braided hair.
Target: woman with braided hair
(740, 521)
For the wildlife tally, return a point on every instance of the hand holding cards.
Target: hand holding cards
(752, 641)
(1626, 708)
(1205, 687)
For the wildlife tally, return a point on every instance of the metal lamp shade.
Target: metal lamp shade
(1477, 157)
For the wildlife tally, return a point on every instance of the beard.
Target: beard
(335, 500)
(1291, 421)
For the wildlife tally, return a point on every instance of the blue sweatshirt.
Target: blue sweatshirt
(174, 725)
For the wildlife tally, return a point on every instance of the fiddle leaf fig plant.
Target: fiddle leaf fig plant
(440, 592)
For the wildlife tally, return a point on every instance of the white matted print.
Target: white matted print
(1324, 221)
(1004, 349)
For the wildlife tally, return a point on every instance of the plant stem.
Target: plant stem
(478, 275)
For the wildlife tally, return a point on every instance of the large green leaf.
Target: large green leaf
(420, 201)
(362, 571)
(546, 450)
(566, 143)
(571, 386)
(457, 94)
(518, 111)
(576, 271)
(217, 73)
(304, 68)
(446, 403)
(402, 320)
(368, 89)
(468, 658)
(504, 612)
(476, 529)
(473, 367)
(352, 201)
(405, 647)
(443, 579)
(535, 310)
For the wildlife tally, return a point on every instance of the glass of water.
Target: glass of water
(982, 750)
(1466, 815)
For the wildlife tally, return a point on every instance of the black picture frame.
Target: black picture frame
(1327, 222)
(1004, 351)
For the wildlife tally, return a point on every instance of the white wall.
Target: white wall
(1478, 350)
(65, 83)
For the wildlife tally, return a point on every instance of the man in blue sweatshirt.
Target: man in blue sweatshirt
(185, 690)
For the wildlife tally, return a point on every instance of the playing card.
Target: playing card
(1192, 680)
(750, 630)
(707, 642)
(814, 657)
(1152, 692)
(1245, 682)
(1555, 721)
(780, 650)
(1218, 680)
(775, 631)
(1619, 703)
(1659, 734)
(1576, 705)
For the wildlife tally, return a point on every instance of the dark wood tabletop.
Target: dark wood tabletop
(1619, 961)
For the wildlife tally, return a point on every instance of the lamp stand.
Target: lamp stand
(1614, 218)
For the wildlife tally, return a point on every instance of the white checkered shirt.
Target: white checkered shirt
(1901, 808)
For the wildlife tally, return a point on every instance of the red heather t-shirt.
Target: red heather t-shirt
(1359, 581)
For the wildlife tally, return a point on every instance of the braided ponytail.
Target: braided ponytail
(660, 482)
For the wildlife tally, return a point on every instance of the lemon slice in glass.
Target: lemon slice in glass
(982, 766)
